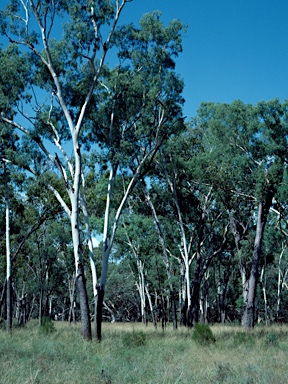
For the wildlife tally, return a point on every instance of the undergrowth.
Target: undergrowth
(202, 334)
(138, 354)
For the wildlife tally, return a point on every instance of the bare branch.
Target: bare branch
(49, 65)
(60, 199)
(57, 142)
(97, 74)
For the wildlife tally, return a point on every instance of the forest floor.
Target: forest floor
(133, 353)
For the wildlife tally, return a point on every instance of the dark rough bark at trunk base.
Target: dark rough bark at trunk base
(95, 314)
(84, 307)
(248, 317)
(190, 317)
(99, 313)
(186, 316)
(195, 302)
(2, 299)
(163, 313)
(249, 306)
(183, 320)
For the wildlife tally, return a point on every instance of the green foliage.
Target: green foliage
(134, 339)
(231, 156)
(47, 326)
(14, 75)
(203, 334)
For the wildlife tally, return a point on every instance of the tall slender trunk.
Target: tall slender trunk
(182, 296)
(2, 299)
(195, 299)
(80, 276)
(72, 282)
(141, 288)
(84, 303)
(184, 250)
(242, 266)
(154, 319)
(100, 301)
(174, 308)
(31, 308)
(9, 305)
(63, 309)
(91, 253)
(105, 253)
(40, 314)
(251, 284)
(164, 257)
(263, 285)
(108, 242)
(280, 283)
(8, 256)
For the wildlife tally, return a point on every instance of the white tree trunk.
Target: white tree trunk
(164, 256)
(141, 289)
(8, 255)
(154, 320)
(263, 283)
(184, 250)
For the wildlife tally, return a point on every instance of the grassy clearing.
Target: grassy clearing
(132, 353)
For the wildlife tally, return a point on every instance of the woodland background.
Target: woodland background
(114, 206)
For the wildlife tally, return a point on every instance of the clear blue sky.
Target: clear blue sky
(233, 49)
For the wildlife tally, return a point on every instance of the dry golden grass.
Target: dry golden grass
(133, 353)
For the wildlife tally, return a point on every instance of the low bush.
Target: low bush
(202, 334)
(47, 326)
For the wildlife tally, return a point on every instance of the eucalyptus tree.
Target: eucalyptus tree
(121, 298)
(165, 257)
(247, 169)
(127, 111)
(168, 176)
(48, 267)
(8, 253)
(199, 228)
(11, 89)
(5, 181)
(140, 108)
(79, 57)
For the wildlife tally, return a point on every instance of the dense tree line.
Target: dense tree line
(192, 216)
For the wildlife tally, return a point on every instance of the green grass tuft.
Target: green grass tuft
(271, 338)
(202, 334)
(47, 326)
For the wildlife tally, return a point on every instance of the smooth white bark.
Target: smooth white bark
(8, 253)
(89, 239)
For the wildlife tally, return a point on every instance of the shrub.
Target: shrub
(47, 326)
(134, 339)
(202, 334)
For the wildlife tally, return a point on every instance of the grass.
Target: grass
(132, 353)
